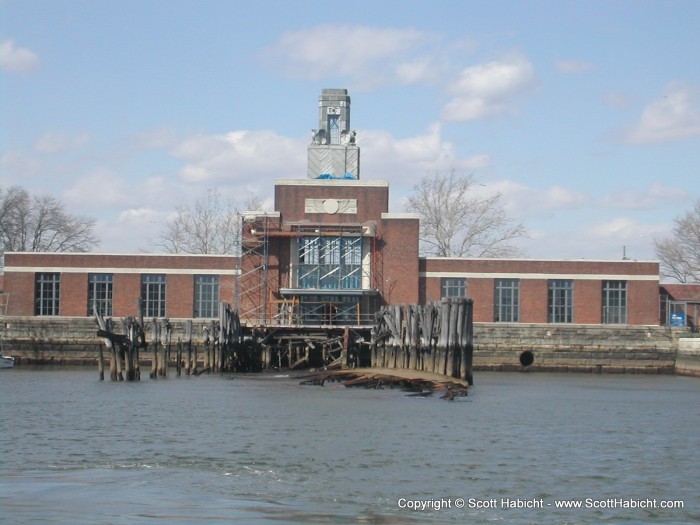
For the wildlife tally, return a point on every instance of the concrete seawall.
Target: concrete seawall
(577, 348)
(688, 358)
(497, 346)
(62, 340)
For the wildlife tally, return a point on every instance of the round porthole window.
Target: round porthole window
(330, 206)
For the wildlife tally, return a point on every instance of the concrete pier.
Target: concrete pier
(688, 357)
(497, 346)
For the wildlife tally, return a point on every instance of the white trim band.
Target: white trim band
(73, 269)
(542, 276)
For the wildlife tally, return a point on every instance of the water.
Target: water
(265, 449)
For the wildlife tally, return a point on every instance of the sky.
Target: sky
(583, 115)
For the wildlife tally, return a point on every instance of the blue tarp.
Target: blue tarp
(329, 176)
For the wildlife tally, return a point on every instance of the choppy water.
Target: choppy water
(264, 449)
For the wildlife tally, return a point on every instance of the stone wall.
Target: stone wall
(576, 348)
(65, 340)
(497, 346)
(688, 358)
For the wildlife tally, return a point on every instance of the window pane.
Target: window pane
(561, 301)
(453, 287)
(47, 293)
(330, 263)
(507, 301)
(614, 302)
(100, 293)
(206, 296)
(153, 295)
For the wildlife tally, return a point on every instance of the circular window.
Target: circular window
(331, 206)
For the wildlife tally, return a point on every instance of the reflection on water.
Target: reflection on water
(264, 449)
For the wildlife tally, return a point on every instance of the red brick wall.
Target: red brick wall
(126, 291)
(126, 288)
(227, 289)
(521, 266)
(20, 287)
(179, 296)
(533, 300)
(74, 291)
(643, 295)
(481, 290)
(399, 247)
(643, 302)
(100, 260)
(372, 201)
(398, 242)
(588, 302)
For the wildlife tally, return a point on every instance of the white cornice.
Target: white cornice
(329, 183)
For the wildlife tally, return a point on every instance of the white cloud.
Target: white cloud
(18, 167)
(573, 66)
(404, 162)
(489, 89)
(17, 59)
(137, 216)
(368, 56)
(524, 202)
(241, 156)
(156, 138)
(254, 159)
(617, 100)
(651, 197)
(622, 228)
(675, 116)
(101, 188)
(60, 143)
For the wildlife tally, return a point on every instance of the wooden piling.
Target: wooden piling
(188, 338)
(435, 337)
(165, 331)
(108, 342)
(154, 344)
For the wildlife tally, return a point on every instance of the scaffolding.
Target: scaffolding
(252, 285)
(323, 265)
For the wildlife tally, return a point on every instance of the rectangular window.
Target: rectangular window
(308, 250)
(153, 295)
(330, 250)
(100, 293)
(47, 293)
(206, 296)
(453, 287)
(507, 301)
(334, 128)
(329, 309)
(614, 302)
(330, 263)
(560, 301)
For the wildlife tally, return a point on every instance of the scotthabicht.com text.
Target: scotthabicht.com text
(437, 504)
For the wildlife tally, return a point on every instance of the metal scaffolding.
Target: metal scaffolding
(328, 277)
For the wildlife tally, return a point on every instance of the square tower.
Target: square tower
(333, 153)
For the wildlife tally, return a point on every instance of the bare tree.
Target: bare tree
(680, 255)
(210, 226)
(40, 223)
(456, 222)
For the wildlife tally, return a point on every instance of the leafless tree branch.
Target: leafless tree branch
(209, 226)
(41, 224)
(679, 256)
(456, 222)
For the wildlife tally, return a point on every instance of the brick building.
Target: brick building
(330, 253)
(68, 284)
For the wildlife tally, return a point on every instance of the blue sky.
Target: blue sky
(585, 116)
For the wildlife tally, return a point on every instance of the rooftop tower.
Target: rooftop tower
(333, 153)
